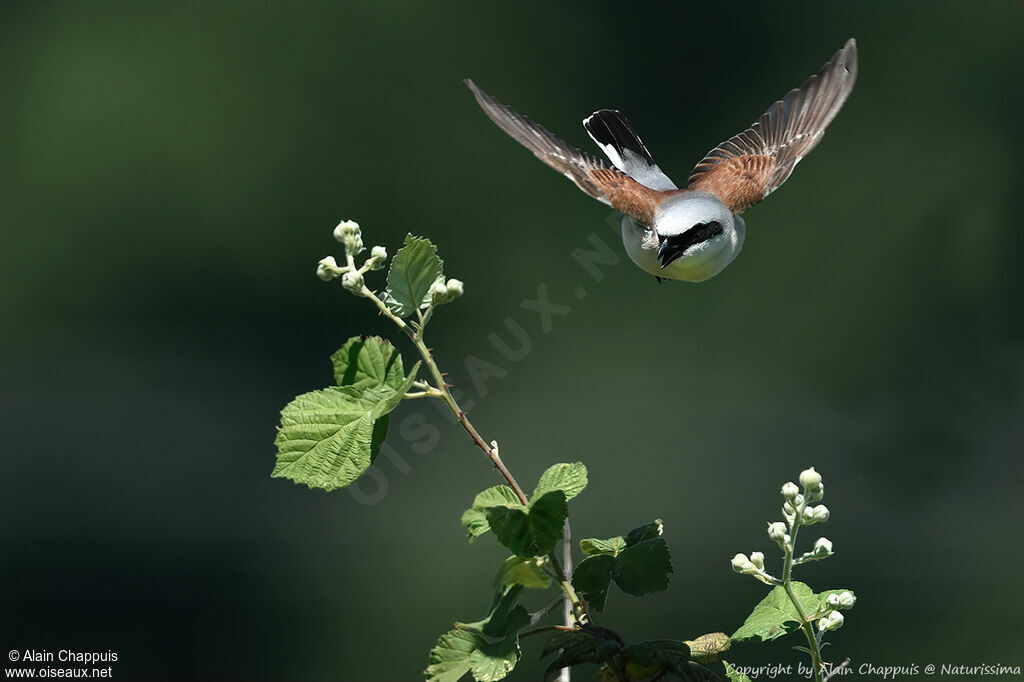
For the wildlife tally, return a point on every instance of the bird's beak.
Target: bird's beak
(670, 250)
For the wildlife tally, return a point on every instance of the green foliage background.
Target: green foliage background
(170, 176)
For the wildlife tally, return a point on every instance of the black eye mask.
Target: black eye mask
(675, 246)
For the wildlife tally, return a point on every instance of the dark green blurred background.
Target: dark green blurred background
(171, 173)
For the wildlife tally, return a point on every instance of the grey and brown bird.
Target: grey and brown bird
(689, 234)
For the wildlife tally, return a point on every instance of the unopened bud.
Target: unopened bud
(353, 281)
(455, 288)
(810, 479)
(777, 532)
(847, 600)
(790, 491)
(822, 548)
(327, 269)
(741, 564)
(379, 252)
(817, 514)
(832, 621)
(757, 558)
(345, 229)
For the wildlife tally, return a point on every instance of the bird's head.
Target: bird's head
(692, 223)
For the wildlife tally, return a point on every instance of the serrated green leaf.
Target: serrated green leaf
(414, 269)
(449, 659)
(775, 615)
(643, 568)
(734, 674)
(488, 648)
(592, 578)
(594, 546)
(368, 362)
(475, 518)
(659, 657)
(517, 570)
(328, 438)
(504, 617)
(530, 531)
(590, 645)
(494, 661)
(661, 654)
(571, 479)
(654, 529)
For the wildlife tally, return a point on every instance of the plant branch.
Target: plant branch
(787, 583)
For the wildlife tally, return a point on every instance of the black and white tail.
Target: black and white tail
(623, 147)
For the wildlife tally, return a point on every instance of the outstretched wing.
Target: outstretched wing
(591, 174)
(747, 167)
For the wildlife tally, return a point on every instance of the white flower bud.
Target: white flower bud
(757, 558)
(810, 479)
(379, 252)
(438, 291)
(833, 600)
(847, 600)
(790, 491)
(327, 269)
(822, 548)
(741, 564)
(353, 281)
(818, 514)
(346, 229)
(777, 532)
(832, 621)
(455, 288)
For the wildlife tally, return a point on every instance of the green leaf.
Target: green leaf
(475, 518)
(654, 529)
(571, 479)
(593, 546)
(592, 577)
(413, 270)
(449, 659)
(643, 568)
(492, 662)
(733, 674)
(328, 438)
(368, 362)
(638, 568)
(530, 531)
(775, 615)
(505, 616)
(648, 658)
(590, 645)
(516, 570)
(488, 648)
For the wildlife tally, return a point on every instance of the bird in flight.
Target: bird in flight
(689, 234)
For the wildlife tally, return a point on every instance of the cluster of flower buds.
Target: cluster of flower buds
(348, 233)
(797, 511)
(752, 565)
(841, 600)
(833, 620)
(445, 292)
